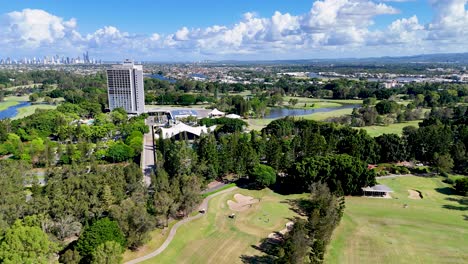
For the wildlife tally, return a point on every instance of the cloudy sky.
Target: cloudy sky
(182, 30)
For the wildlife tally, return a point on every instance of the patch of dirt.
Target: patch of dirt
(242, 202)
(415, 194)
(214, 184)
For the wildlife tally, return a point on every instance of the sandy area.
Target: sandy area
(280, 234)
(414, 195)
(242, 202)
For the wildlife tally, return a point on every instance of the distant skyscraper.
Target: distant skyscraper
(125, 87)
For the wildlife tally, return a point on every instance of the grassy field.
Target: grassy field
(325, 115)
(29, 110)
(431, 230)
(216, 238)
(396, 128)
(10, 101)
(6, 104)
(258, 124)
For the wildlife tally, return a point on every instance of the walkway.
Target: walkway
(203, 205)
(147, 157)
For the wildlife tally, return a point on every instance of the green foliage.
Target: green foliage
(98, 233)
(263, 175)
(119, 152)
(386, 107)
(342, 173)
(109, 252)
(70, 257)
(26, 244)
(461, 186)
(134, 221)
(226, 125)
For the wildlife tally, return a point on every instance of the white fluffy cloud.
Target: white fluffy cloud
(33, 28)
(329, 26)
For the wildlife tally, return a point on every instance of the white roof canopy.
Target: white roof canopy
(233, 116)
(216, 112)
(181, 127)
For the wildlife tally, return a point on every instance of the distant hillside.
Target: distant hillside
(452, 58)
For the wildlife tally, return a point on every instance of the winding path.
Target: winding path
(203, 205)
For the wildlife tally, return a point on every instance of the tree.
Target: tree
(324, 214)
(392, 148)
(98, 233)
(33, 97)
(119, 152)
(26, 244)
(109, 252)
(461, 185)
(134, 221)
(443, 163)
(263, 175)
(70, 257)
(295, 247)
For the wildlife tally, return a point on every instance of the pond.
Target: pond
(12, 111)
(283, 112)
(161, 77)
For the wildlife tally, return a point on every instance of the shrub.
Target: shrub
(461, 185)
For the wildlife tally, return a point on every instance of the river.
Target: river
(12, 111)
(283, 112)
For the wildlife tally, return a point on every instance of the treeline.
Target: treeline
(302, 151)
(74, 198)
(308, 238)
(56, 137)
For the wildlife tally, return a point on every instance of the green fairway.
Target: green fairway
(320, 116)
(6, 104)
(29, 110)
(430, 230)
(396, 128)
(216, 238)
(258, 124)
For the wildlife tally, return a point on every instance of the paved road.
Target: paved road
(147, 157)
(203, 205)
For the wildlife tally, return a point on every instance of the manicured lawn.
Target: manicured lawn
(6, 104)
(316, 100)
(29, 110)
(216, 238)
(325, 115)
(259, 124)
(431, 230)
(396, 128)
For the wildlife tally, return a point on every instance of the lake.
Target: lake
(12, 111)
(161, 77)
(283, 112)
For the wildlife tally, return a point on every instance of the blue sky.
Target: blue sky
(227, 29)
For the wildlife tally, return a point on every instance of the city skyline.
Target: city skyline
(251, 31)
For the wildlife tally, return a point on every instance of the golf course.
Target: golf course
(433, 229)
(219, 238)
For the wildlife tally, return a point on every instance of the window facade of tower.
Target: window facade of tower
(125, 87)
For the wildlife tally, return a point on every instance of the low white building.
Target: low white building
(182, 131)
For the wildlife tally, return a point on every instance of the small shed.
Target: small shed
(379, 190)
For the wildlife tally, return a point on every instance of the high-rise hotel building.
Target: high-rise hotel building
(125, 87)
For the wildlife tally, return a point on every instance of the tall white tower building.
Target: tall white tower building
(125, 87)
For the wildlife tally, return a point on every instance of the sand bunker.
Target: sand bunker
(280, 234)
(413, 194)
(242, 202)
